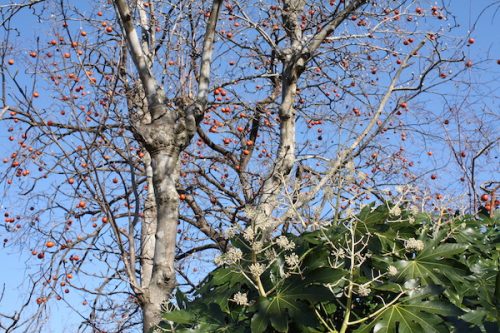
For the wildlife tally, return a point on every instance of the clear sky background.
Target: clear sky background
(13, 271)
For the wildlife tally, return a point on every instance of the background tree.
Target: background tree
(298, 111)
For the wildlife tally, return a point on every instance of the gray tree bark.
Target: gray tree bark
(294, 59)
(164, 133)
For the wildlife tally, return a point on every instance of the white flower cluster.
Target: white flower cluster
(257, 246)
(257, 269)
(339, 253)
(349, 212)
(250, 212)
(270, 254)
(392, 271)
(249, 234)
(232, 231)
(396, 211)
(414, 245)
(240, 298)
(292, 260)
(364, 290)
(403, 189)
(231, 257)
(284, 243)
(219, 260)
(262, 221)
(414, 209)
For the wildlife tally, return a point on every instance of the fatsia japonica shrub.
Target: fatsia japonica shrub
(385, 269)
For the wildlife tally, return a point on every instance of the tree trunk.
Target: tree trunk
(164, 135)
(165, 167)
(148, 228)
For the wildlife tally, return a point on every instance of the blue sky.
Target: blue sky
(13, 273)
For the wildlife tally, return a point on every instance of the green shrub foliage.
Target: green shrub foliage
(383, 270)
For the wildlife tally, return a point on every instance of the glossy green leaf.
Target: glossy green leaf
(442, 251)
(226, 275)
(258, 323)
(325, 275)
(180, 316)
(407, 318)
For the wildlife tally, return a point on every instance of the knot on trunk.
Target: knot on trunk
(156, 138)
